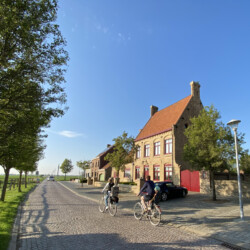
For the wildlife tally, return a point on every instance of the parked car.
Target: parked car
(169, 190)
(51, 178)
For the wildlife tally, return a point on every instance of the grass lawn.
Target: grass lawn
(8, 211)
(68, 178)
(11, 177)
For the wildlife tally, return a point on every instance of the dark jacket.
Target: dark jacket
(110, 186)
(148, 188)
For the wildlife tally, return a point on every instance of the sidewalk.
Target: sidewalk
(196, 213)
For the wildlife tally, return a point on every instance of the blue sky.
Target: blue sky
(128, 55)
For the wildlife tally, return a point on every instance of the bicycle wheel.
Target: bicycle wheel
(112, 208)
(102, 205)
(138, 211)
(155, 216)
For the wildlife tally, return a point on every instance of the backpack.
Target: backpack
(114, 191)
(114, 199)
(157, 198)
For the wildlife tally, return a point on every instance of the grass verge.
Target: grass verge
(68, 178)
(8, 212)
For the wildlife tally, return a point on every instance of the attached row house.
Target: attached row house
(160, 146)
(100, 168)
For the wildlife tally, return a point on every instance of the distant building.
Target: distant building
(100, 168)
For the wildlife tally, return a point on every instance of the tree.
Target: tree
(83, 165)
(66, 167)
(32, 67)
(16, 140)
(32, 152)
(245, 162)
(210, 145)
(124, 151)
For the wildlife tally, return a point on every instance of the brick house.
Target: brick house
(100, 168)
(161, 142)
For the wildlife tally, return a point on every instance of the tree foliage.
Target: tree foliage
(124, 151)
(83, 164)
(66, 167)
(32, 58)
(210, 145)
(32, 66)
(245, 162)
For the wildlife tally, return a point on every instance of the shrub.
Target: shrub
(128, 183)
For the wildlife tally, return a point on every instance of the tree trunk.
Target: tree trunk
(6, 178)
(117, 179)
(25, 180)
(213, 184)
(65, 177)
(20, 181)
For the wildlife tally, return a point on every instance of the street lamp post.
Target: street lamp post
(234, 125)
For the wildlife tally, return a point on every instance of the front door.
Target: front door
(101, 177)
(190, 180)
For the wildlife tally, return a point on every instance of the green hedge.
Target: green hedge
(128, 183)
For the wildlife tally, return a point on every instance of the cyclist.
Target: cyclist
(148, 192)
(107, 188)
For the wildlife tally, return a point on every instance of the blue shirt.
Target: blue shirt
(148, 188)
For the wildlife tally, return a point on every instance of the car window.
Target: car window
(169, 184)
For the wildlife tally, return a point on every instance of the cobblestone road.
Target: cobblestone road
(55, 218)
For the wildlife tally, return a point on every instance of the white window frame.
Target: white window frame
(157, 148)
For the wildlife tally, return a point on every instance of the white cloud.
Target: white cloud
(69, 134)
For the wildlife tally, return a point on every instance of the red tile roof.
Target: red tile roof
(164, 119)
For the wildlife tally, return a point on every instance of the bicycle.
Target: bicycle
(112, 207)
(152, 212)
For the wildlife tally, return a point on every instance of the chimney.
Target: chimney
(153, 110)
(195, 89)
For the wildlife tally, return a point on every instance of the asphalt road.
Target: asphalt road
(55, 218)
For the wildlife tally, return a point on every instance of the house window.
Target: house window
(156, 173)
(168, 173)
(146, 150)
(137, 172)
(157, 148)
(146, 172)
(127, 173)
(138, 153)
(168, 146)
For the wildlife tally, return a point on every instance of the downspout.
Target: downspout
(132, 171)
(173, 149)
